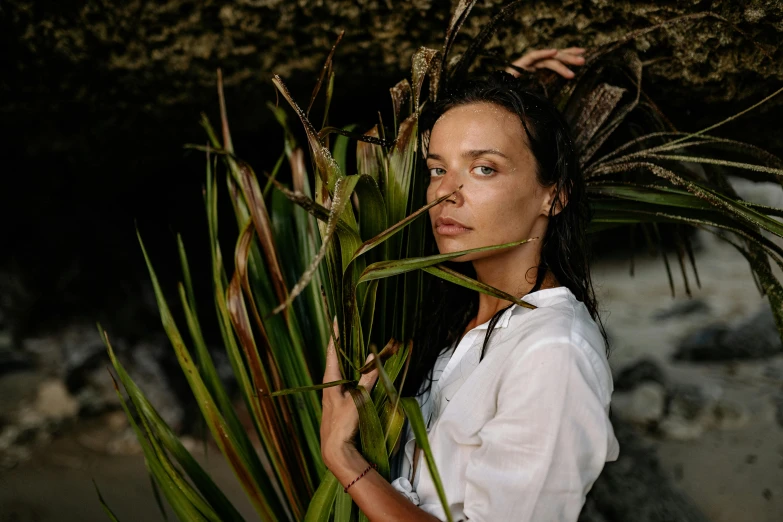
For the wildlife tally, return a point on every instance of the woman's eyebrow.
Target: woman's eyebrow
(481, 152)
(470, 154)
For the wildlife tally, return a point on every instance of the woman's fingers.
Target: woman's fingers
(557, 66)
(570, 58)
(528, 59)
(368, 379)
(552, 59)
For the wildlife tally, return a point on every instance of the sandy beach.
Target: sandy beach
(734, 472)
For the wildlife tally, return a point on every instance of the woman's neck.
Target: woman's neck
(503, 275)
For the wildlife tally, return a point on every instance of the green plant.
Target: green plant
(351, 247)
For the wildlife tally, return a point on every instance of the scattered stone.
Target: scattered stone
(702, 345)
(8, 437)
(12, 360)
(683, 413)
(645, 370)
(89, 381)
(645, 405)
(82, 349)
(69, 378)
(54, 402)
(124, 443)
(46, 353)
(13, 456)
(191, 443)
(679, 471)
(66, 461)
(691, 410)
(773, 372)
(116, 421)
(757, 337)
(146, 370)
(17, 389)
(730, 415)
(676, 428)
(590, 512)
(777, 401)
(30, 418)
(34, 419)
(688, 401)
(634, 488)
(687, 413)
(682, 309)
(112, 436)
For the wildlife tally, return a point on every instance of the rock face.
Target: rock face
(67, 382)
(635, 488)
(644, 370)
(646, 398)
(645, 405)
(165, 53)
(99, 97)
(754, 338)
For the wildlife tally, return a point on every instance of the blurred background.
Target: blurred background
(97, 99)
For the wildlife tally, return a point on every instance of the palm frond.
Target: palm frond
(351, 248)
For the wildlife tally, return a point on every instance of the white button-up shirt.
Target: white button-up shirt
(523, 435)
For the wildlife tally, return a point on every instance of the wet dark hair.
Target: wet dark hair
(564, 249)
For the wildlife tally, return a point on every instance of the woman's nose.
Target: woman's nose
(448, 183)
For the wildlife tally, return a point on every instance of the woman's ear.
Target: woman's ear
(555, 200)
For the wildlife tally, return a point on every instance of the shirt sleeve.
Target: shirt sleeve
(547, 443)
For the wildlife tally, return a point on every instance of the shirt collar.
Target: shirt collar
(505, 317)
(538, 298)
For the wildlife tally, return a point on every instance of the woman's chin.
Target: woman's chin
(449, 246)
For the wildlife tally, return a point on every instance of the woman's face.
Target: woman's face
(484, 148)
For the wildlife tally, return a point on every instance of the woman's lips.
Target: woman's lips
(450, 227)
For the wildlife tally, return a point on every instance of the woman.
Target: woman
(524, 434)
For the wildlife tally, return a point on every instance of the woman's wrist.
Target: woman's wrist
(372, 493)
(345, 463)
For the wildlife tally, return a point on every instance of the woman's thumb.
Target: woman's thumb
(369, 379)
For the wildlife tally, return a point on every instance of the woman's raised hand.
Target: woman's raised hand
(552, 59)
(340, 418)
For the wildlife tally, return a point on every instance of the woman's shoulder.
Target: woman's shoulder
(562, 326)
(558, 315)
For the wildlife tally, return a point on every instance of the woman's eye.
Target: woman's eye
(437, 171)
(484, 170)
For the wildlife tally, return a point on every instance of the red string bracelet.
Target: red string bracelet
(371, 466)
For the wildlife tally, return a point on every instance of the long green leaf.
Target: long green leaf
(225, 439)
(373, 443)
(320, 508)
(178, 493)
(401, 224)
(455, 277)
(105, 506)
(368, 310)
(372, 209)
(371, 158)
(392, 268)
(413, 412)
(289, 391)
(342, 195)
(328, 169)
(173, 445)
(158, 499)
(741, 211)
(715, 161)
